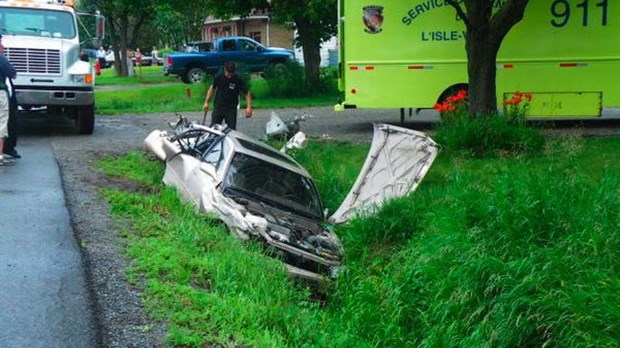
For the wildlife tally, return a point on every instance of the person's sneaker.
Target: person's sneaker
(4, 161)
(12, 154)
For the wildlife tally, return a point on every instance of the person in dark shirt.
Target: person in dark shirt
(227, 87)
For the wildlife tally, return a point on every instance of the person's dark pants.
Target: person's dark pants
(102, 63)
(227, 115)
(13, 126)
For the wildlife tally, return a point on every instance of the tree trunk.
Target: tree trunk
(122, 68)
(485, 32)
(481, 69)
(312, 54)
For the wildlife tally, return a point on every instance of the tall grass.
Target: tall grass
(509, 252)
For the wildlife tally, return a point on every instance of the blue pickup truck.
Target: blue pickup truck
(254, 57)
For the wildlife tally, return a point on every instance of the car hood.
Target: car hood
(397, 161)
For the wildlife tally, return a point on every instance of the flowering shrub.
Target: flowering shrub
(516, 107)
(498, 133)
(454, 106)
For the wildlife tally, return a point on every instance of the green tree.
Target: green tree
(314, 20)
(179, 22)
(124, 21)
(487, 23)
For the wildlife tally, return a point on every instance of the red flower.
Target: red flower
(462, 94)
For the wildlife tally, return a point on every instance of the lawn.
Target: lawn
(152, 92)
(499, 252)
(146, 75)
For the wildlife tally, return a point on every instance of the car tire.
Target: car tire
(195, 75)
(85, 119)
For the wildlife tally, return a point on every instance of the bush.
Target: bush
(487, 135)
(289, 80)
(329, 80)
(285, 79)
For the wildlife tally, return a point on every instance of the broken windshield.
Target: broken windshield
(274, 184)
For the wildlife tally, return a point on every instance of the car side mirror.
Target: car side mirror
(84, 56)
(208, 169)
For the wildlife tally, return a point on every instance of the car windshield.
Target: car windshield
(36, 22)
(273, 184)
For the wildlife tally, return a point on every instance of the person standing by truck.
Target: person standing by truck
(11, 141)
(227, 87)
(101, 53)
(6, 71)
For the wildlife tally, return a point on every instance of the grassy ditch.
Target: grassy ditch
(503, 252)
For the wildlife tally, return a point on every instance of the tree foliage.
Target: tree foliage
(125, 20)
(487, 23)
(179, 22)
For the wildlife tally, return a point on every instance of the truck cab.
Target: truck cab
(42, 42)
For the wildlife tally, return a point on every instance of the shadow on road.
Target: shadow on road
(40, 124)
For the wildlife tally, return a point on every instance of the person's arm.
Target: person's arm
(6, 67)
(248, 102)
(208, 98)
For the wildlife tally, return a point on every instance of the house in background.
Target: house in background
(329, 53)
(256, 25)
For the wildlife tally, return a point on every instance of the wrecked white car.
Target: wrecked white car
(265, 195)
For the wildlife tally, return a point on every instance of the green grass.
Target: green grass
(152, 92)
(146, 75)
(504, 252)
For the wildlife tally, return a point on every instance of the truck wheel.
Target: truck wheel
(452, 90)
(85, 119)
(195, 75)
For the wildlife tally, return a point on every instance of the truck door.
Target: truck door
(228, 50)
(241, 51)
(251, 54)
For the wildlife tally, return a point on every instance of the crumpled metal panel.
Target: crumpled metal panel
(397, 161)
(196, 186)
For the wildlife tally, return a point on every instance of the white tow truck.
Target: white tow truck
(42, 42)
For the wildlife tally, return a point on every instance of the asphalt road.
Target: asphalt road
(44, 300)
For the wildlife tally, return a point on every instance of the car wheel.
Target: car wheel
(280, 68)
(195, 75)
